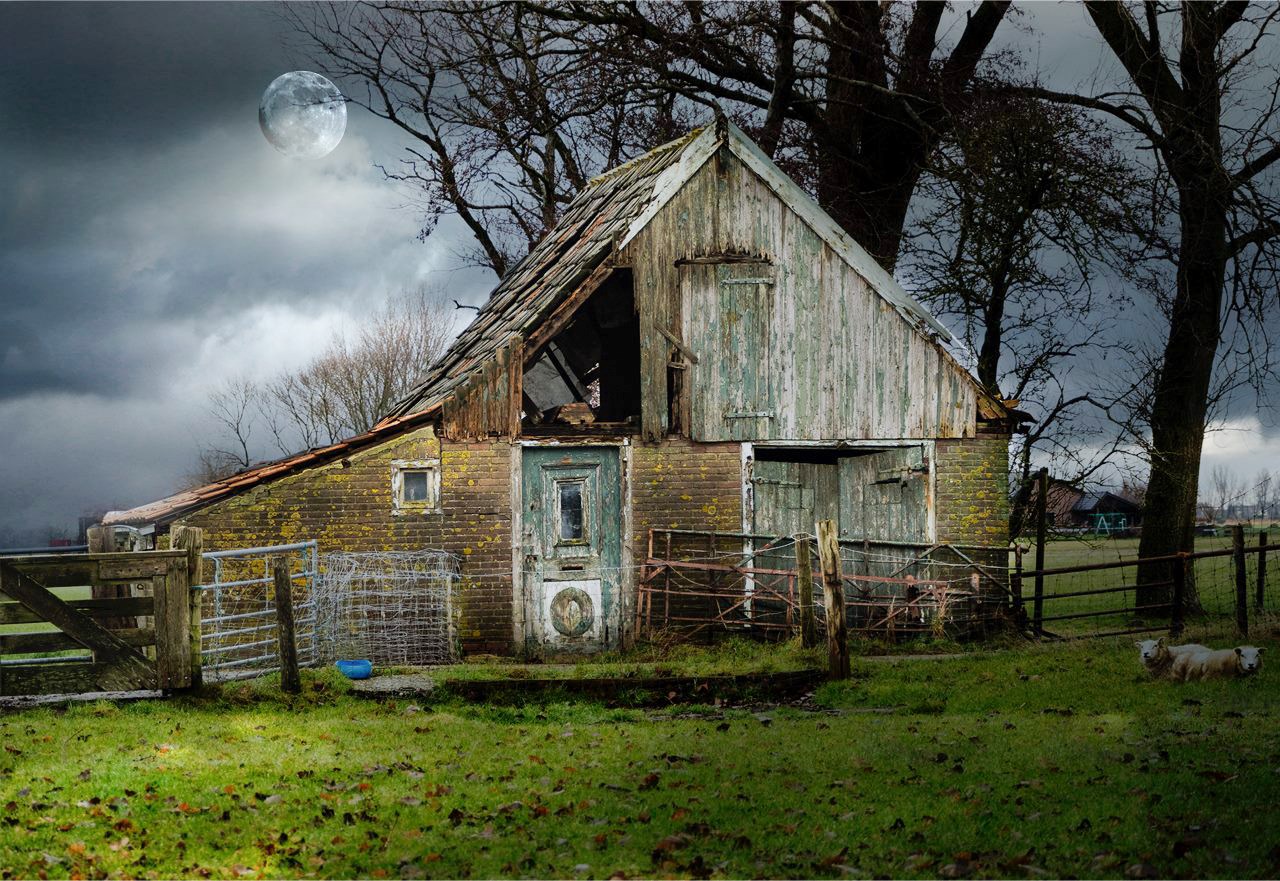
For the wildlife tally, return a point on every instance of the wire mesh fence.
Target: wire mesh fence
(392, 608)
(1091, 589)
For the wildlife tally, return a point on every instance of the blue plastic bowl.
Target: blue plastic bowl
(355, 669)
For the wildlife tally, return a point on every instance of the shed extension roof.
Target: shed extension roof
(168, 509)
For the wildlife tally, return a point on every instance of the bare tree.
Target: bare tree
(355, 381)
(1023, 207)
(1262, 493)
(1206, 97)
(1225, 490)
(514, 106)
(341, 392)
(234, 406)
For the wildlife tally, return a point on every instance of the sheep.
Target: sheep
(1166, 661)
(1244, 660)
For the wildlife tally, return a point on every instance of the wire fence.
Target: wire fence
(701, 585)
(390, 607)
(1226, 590)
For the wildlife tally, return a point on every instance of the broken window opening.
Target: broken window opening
(590, 371)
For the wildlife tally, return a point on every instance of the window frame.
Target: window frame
(399, 504)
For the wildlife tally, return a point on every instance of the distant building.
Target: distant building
(1069, 507)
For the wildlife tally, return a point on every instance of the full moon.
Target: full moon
(303, 114)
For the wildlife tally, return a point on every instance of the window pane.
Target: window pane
(570, 511)
(415, 486)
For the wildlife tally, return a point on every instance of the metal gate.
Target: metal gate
(238, 633)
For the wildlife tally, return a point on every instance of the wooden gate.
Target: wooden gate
(71, 650)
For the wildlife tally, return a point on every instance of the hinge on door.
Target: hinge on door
(771, 482)
(759, 414)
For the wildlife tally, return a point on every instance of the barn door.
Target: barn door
(885, 495)
(572, 528)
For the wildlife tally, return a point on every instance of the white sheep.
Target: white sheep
(1243, 660)
(1166, 661)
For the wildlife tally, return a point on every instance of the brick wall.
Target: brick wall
(346, 506)
(680, 484)
(973, 490)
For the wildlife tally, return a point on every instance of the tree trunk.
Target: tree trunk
(1182, 390)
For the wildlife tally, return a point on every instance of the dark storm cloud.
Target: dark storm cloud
(96, 77)
(152, 243)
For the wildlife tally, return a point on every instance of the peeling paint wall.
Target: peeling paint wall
(826, 358)
(349, 508)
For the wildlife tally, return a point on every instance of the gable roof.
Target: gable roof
(609, 212)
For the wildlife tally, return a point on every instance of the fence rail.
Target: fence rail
(707, 583)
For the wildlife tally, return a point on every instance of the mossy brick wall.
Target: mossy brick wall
(346, 506)
(680, 484)
(973, 490)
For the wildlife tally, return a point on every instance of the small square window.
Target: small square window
(415, 486)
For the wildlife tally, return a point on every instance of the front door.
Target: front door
(572, 538)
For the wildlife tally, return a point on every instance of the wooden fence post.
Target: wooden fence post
(191, 539)
(804, 575)
(1242, 589)
(1260, 596)
(1015, 587)
(290, 681)
(833, 594)
(1179, 591)
(1042, 529)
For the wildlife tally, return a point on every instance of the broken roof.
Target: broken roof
(609, 212)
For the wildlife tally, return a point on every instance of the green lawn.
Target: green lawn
(1055, 760)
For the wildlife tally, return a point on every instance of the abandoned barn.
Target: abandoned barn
(695, 346)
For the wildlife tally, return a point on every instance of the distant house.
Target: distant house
(1069, 507)
(696, 345)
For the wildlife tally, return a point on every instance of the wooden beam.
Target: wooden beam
(804, 575)
(191, 540)
(559, 319)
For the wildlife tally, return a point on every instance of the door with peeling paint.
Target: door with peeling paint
(571, 528)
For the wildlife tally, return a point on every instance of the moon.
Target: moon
(303, 114)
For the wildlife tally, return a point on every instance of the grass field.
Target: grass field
(1049, 760)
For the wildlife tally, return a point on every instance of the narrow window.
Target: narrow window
(571, 511)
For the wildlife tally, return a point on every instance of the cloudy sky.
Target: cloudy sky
(153, 244)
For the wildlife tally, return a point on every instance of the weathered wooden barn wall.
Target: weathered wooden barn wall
(488, 402)
(815, 355)
(348, 507)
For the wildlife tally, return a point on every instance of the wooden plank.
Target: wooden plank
(290, 681)
(122, 663)
(56, 641)
(73, 678)
(173, 627)
(17, 613)
(26, 561)
(804, 568)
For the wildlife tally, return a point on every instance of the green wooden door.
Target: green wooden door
(885, 495)
(572, 537)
